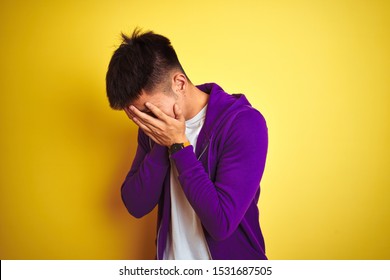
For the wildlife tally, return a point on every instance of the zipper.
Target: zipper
(204, 237)
(159, 229)
(158, 238)
(208, 250)
(204, 150)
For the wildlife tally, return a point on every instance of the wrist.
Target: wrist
(181, 139)
(175, 147)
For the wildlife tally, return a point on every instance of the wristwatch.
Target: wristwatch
(177, 147)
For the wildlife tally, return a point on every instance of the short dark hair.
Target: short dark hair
(141, 62)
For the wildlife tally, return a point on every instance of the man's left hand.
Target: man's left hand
(163, 129)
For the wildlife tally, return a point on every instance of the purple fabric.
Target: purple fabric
(221, 180)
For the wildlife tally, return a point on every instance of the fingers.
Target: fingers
(129, 113)
(132, 112)
(138, 121)
(156, 111)
(143, 117)
(162, 129)
(142, 125)
(149, 131)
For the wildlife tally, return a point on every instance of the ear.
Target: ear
(179, 83)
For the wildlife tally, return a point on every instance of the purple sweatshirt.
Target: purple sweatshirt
(221, 179)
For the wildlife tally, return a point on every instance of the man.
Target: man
(200, 157)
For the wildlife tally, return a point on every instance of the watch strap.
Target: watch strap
(178, 146)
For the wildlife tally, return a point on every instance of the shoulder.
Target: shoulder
(246, 117)
(244, 125)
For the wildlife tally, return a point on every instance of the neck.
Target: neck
(195, 101)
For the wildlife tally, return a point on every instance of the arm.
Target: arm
(143, 185)
(222, 204)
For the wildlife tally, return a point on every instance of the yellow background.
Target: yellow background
(317, 70)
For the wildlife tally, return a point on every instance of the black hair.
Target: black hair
(142, 62)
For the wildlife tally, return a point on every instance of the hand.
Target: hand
(163, 129)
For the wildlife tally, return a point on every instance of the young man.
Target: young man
(200, 157)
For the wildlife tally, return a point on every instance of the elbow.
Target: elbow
(134, 207)
(135, 213)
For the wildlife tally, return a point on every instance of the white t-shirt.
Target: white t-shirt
(186, 239)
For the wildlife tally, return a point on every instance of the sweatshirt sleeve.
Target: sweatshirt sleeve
(221, 204)
(143, 185)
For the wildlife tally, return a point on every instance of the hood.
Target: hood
(219, 107)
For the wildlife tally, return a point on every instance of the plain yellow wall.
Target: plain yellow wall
(317, 70)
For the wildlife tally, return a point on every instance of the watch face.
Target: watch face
(176, 147)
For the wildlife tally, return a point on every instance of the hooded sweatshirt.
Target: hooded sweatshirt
(221, 178)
